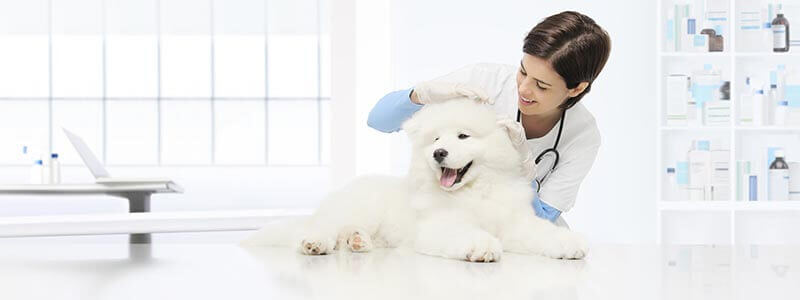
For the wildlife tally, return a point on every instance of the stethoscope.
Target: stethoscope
(548, 159)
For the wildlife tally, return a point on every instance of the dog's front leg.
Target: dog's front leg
(530, 234)
(450, 235)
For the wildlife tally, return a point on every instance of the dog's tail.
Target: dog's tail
(281, 232)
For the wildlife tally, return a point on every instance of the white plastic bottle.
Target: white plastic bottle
(780, 113)
(26, 156)
(45, 170)
(778, 178)
(770, 103)
(672, 185)
(55, 169)
(758, 108)
(36, 172)
(699, 171)
(746, 106)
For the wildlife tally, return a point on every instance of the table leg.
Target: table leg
(138, 203)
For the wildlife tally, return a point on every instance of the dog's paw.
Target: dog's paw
(316, 246)
(484, 248)
(569, 245)
(358, 241)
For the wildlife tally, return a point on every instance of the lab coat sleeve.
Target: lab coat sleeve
(391, 111)
(560, 190)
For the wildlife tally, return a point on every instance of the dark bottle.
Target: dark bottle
(780, 32)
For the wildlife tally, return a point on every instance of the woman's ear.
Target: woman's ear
(578, 89)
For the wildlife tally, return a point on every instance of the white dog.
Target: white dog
(465, 197)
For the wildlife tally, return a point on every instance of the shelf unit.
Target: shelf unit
(726, 216)
(728, 205)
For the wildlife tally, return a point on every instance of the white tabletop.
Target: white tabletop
(224, 271)
(90, 188)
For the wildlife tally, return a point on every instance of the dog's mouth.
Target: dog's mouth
(452, 176)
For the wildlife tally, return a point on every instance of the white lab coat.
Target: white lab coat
(580, 138)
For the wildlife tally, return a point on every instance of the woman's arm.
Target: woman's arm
(392, 110)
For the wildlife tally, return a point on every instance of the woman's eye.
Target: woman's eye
(540, 87)
(462, 136)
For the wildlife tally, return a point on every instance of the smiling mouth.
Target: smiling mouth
(526, 100)
(452, 176)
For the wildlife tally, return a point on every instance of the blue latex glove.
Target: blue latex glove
(392, 110)
(542, 209)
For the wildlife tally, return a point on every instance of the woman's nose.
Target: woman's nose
(525, 93)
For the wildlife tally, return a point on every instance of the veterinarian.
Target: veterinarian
(562, 56)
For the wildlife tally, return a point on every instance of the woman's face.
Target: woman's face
(541, 89)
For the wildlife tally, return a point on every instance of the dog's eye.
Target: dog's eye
(462, 136)
(436, 139)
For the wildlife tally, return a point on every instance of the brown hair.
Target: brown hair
(574, 45)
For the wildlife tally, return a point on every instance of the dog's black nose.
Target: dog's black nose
(439, 155)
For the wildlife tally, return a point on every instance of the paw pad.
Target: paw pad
(486, 256)
(313, 248)
(358, 242)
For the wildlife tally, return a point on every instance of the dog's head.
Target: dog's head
(458, 142)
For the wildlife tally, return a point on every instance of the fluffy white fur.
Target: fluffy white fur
(476, 219)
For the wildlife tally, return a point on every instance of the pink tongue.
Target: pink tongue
(448, 177)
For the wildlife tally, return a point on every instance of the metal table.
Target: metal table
(137, 193)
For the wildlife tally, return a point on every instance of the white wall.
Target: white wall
(616, 203)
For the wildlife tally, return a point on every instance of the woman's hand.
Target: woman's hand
(517, 135)
(436, 91)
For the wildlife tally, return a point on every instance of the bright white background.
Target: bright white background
(228, 98)
(396, 44)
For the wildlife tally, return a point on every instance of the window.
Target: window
(227, 97)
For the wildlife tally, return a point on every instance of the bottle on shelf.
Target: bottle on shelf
(780, 32)
(794, 180)
(55, 169)
(752, 188)
(45, 171)
(778, 178)
(672, 185)
(699, 157)
(770, 103)
(31, 156)
(747, 103)
(37, 170)
(780, 113)
(759, 102)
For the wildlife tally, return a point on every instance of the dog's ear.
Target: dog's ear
(411, 126)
